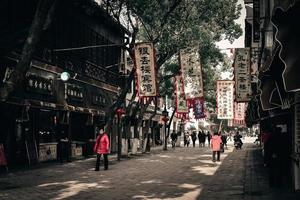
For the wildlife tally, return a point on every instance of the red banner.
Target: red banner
(181, 103)
(3, 161)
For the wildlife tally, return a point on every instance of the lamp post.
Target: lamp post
(120, 112)
(165, 119)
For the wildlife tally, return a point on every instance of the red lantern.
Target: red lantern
(120, 112)
(165, 119)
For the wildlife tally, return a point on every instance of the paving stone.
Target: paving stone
(183, 173)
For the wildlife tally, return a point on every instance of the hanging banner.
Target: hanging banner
(191, 70)
(225, 91)
(145, 69)
(239, 111)
(181, 103)
(256, 21)
(254, 64)
(242, 75)
(198, 108)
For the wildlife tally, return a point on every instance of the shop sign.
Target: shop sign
(74, 92)
(39, 84)
(191, 70)
(181, 103)
(99, 99)
(225, 91)
(145, 69)
(242, 75)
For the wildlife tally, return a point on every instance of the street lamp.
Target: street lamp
(120, 112)
(65, 76)
(165, 119)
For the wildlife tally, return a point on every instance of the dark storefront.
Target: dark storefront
(46, 110)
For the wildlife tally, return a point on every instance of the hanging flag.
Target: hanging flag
(254, 64)
(239, 111)
(242, 75)
(198, 108)
(181, 103)
(145, 69)
(189, 60)
(225, 91)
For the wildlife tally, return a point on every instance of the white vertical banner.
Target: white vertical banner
(239, 111)
(225, 92)
(181, 103)
(145, 69)
(254, 64)
(242, 75)
(191, 70)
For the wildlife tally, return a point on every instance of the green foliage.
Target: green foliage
(176, 24)
(166, 83)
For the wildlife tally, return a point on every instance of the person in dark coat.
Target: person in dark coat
(64, 148)
(200, 138)
(187, 139)
(224, 140)
(203, 138)
(174, 138)
(194, 138)
(278, 157)
(208, 135)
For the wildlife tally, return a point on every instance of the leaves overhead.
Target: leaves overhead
(176, 24)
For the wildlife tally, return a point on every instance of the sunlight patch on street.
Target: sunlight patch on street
(208, 167)
(72, 188)
(151, 181)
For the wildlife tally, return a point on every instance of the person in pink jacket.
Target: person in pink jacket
(216, 146)
(102, 147)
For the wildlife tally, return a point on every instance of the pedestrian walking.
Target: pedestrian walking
(200, 135)
(216, 146)
(194, 138)
(187, 139)
(64, 148)
(102, 148)
(224, 140)
(208, 135)
(174, 137)
(203, 138)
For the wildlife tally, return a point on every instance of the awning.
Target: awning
(55, 106)
(272, 81)
(267, 87)
(284, 4)
(286, 14)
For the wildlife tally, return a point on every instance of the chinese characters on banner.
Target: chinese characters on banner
(181, 104)
(191, 72)
(239, 111)
(145, 69)
(242, 75)
(225, 99)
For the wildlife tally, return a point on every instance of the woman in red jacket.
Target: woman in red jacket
(102, 147)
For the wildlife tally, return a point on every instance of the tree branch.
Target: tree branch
(18, 75)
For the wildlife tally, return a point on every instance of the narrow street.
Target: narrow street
(183, 173)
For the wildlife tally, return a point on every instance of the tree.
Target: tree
(41, 21)
(174, 25)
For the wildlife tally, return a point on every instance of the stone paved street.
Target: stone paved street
(183, 173)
